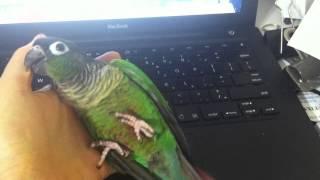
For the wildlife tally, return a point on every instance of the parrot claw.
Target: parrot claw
(108, 145)
(139, 126)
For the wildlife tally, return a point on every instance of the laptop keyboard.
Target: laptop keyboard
(216, 83)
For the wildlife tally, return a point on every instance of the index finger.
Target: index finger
(16, 63)
(15, 69)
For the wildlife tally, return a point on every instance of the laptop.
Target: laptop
(238, 110)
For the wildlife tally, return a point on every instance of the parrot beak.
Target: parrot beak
(35, 60)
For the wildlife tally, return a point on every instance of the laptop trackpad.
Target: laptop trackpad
(233, 151)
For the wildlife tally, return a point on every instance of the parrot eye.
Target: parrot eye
(58, 48)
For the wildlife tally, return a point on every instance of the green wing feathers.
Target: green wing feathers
(181, 152)
(141, 79)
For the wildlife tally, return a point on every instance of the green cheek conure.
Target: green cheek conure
(123, 110)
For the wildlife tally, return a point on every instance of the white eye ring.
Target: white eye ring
(58, 48)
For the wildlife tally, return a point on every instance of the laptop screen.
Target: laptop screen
(34, 11)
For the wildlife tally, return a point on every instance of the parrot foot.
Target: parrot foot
(138, 125)
(108, 145)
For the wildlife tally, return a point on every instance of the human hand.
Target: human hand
(41, 137)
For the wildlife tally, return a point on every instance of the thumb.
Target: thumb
(15, 74)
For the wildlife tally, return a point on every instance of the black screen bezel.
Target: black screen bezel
(136, 27)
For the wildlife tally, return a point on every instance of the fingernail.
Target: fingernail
(41, 35)
(108, 56)
(38, 36)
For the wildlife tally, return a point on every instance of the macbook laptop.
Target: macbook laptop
(238, 110)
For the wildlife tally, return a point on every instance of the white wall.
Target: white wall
(268, 13)
(309, 2)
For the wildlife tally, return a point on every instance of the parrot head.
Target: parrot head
(59, 59)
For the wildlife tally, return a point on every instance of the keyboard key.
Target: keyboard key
(165, 62)
(257, 80)
(269, 110)
(219, 95)
(245, 56)
(172, 50)
(232, 67)
(154, 51)
(222, 80)
(263, 93)
(194, 70)
(145, 62)
(203, 60)
(231, 114)
(156, 74)
(246, 104)
(241, 79)
(167, 85)
(196, 56)
(225, 46)
(148, 62)
(220, 68)
(179, 98)
(205, 82)
(210, 113)
(198, 70)
(250, 112)
(243, 45)
(39, 81)
(216, 56)
(177, 72)
(127, 53)
(186, 84)
(181, 59)
(249, 92)
(228, 110)
(187, 113)
(188, 50)
(89, 54)
(97, 53)
(203, 50)
(247, 66)
(200, 96)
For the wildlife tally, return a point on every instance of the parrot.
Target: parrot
(129, 120)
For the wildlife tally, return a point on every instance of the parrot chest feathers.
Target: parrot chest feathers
(90, 86)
